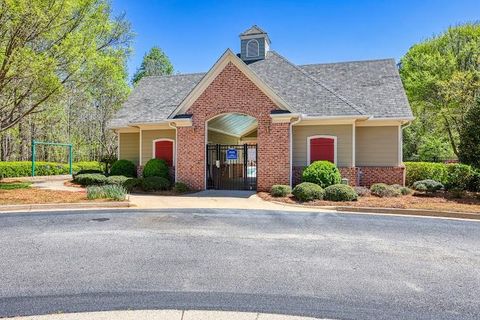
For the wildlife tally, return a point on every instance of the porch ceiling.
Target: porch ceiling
(233, 123)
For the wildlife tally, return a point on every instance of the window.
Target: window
(322, 148)
(252, 48)
(164, 149)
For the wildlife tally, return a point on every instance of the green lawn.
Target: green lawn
(14, 185)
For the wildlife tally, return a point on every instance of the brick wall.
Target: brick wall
(366, 175)
(232, 91)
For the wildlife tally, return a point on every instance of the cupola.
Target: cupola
(254, 44)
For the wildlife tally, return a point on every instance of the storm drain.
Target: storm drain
(100, 219)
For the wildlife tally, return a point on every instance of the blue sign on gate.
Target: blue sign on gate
(232, 154)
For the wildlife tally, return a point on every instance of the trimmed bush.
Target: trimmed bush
(459, 176)
(88, 171)
(323, 173)
(405, 191)
(180, 187)
(340, 192)
(307, 191)
(89, 179)
(132, 183)
(123, 168)
(384, 190)
(114, 192)
(156, 168)
(118, 180)
(362, 191)
(474, 183)
(155, 184)
(89, 165)
(416, 171)
(280, 190)
(427, 185)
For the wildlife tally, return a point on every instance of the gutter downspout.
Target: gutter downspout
(172, 125)
(291, 147)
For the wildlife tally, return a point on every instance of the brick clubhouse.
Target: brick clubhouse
(256, 119)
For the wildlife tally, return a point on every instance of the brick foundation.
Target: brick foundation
(231, 91)
(366, 176)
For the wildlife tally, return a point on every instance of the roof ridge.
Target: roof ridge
(346, 62)
(175, 75)
(351, 104)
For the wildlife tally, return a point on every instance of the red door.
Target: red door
(322, 149)
(164, 150)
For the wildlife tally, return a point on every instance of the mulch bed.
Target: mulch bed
(36, 195)
(443, 201)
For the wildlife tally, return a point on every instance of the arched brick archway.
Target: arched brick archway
(232, 92)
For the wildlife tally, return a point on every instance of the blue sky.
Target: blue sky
(195, 33)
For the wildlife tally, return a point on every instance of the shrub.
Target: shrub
(427, 185)
(307, 191)
(323, 173)
(156, 168)
(89, 179)
(280, 190)
(132, 183)
(362, 191)
(180, 187)
(474, 183)
(118, 180)
(459, 176)
(384, 190)
(114, 192)
(155, 184)
(416, 171)
(87, 171)
(123, 168)
(14, 185)
(405, 191)
(89, 165)
(340, 192)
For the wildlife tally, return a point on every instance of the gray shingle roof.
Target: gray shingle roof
(374, 85)
(304, 93)
(371, 88)
(154, 98)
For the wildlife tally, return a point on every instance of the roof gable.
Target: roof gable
(228, 57)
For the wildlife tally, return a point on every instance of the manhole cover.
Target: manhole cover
(100, 219)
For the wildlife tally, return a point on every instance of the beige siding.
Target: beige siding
(377, 146)
(147, 141)
(129, 146)
(220, 138)
(344, 142)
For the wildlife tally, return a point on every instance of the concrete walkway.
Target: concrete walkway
(55, 185)
(164, 315)
(219, 199)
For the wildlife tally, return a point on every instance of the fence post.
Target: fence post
(70, 158)
(33, 158)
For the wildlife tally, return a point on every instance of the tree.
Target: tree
(442, 79)
(433, 149)
(155, 63)
(469, 147)
(48, 48)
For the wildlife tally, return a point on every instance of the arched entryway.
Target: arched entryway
(231, 152)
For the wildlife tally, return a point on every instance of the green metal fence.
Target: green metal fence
(70, 152)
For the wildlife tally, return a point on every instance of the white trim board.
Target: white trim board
(322, 136)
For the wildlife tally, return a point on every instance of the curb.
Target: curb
(413, 212)
(393, 211)
(65, 206)
(166, 315)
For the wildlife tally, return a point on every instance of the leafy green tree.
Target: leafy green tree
(48, 48)
(155, 63)
(433, 149)
(469, 147)
(442, 78)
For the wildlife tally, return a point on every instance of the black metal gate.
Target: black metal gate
(232, 167)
